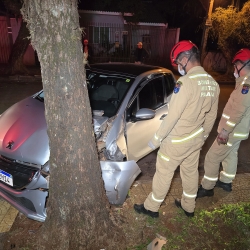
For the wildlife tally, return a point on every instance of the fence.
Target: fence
(116, 43)
(9, 28)
(5, 40)
(110, 42)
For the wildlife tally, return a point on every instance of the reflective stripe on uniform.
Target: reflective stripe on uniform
(156, 137)
(229, 144)
(226, 116)
(240, 135)
(162, 156)
(188, 137)
(157, 200)
(244, 80)
(199, 75)
(228, 175)
(231, 124)
(189, 195)
(210, 178)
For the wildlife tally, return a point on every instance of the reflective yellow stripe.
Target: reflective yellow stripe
(240, 135)
(156, 137)
(157, 200)
(188, 137)
(231, 124)
(164, 157)
(189, 195)
(228, 175)
(225, 116)
(229, 144)
(199, 75)
(210, 179)
(244, 80)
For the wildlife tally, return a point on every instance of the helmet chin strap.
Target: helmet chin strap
(184, 67)
(238, 70)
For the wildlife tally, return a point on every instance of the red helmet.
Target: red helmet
(180, 47)
(242, 55)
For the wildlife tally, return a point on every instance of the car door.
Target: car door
(151, 96)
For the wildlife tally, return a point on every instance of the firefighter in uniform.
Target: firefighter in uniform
(192, 112)
(233, 128)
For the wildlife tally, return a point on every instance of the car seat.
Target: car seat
(104, 93)
(105, 98)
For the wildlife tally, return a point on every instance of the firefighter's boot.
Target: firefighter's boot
(178, 204)
(225, 186)
(202, 192)
(139, 208)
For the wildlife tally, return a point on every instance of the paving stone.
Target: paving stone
(7, 216)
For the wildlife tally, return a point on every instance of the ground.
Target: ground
(204, 231)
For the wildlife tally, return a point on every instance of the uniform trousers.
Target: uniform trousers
(225, 154)
(170, 156)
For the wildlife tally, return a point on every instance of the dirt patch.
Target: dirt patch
(21, 230)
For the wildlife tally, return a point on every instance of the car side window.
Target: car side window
(169, 83)
(152, 94)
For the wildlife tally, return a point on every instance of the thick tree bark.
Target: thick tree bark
(78, 210)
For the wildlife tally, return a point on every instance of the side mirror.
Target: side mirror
(144, 114)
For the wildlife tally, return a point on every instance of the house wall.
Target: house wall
(5, 40)
(171, 38)
(9, 28)
(100, 17)
(29, 56)
(114, 20)
(122, 37)
(111, 38)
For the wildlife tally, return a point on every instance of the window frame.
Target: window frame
(135, 96)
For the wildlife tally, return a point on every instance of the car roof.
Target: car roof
(128, 69)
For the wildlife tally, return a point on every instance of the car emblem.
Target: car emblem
(10, 144)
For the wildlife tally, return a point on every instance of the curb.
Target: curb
(21, 78)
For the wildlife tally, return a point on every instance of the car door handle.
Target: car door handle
(163, 116)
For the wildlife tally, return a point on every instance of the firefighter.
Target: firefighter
(233, 127)
(192, 112)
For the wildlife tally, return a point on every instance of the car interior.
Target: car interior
(107, 93)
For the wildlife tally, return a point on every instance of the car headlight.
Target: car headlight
(114, 153)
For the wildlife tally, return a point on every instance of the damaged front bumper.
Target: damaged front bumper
(118, 178)
(30, 202)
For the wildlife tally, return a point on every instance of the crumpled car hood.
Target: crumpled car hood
(23, 125)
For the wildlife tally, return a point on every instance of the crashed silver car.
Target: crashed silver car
(128, 102)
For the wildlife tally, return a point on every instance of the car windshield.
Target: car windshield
(40, 96)
(106, 92)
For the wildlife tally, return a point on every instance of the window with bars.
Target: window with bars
(99, 35)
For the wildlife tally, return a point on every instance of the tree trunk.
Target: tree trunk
(78, 209)
(18, 50)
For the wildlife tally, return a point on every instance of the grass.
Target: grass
(226, 228)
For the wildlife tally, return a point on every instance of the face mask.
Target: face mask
(236, 75)
(181, 71)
